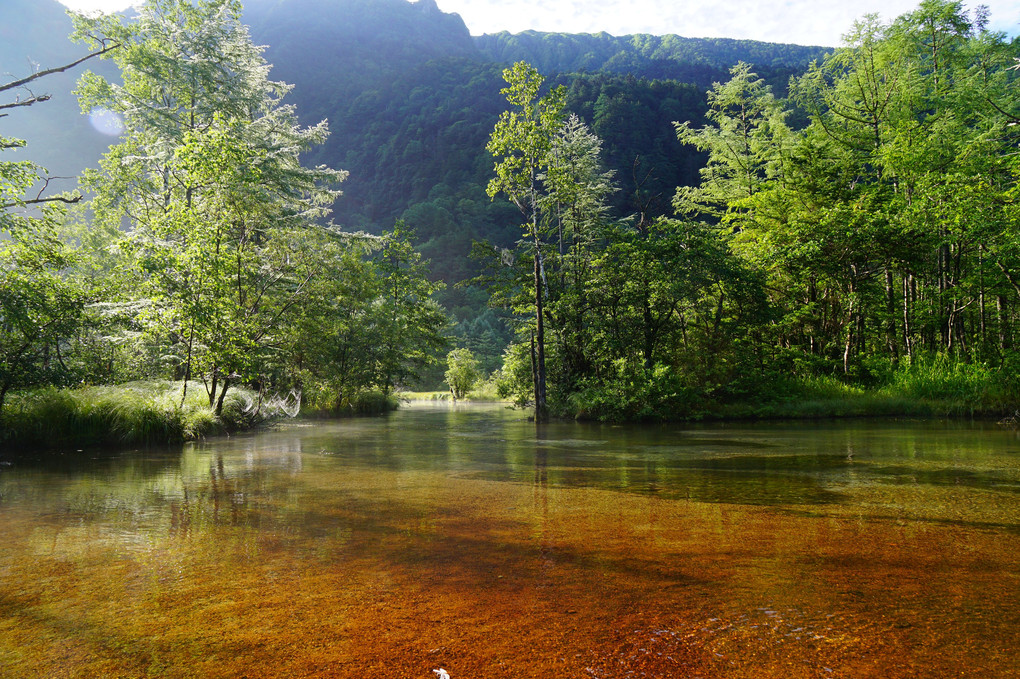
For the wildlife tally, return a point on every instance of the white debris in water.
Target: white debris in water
(442, 674)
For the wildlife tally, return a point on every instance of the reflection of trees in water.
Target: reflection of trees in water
(237, 495)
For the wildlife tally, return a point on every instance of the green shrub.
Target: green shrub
(633, 393)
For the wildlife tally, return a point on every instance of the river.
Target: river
(465, 538)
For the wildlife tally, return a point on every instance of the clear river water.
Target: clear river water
(465, 538)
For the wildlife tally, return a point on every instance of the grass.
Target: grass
(138, 413)
(933, 386)
(824, 397)
(927, 386)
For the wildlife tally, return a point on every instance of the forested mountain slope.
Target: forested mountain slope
(671, 57)
(33, 37)
(411, 98)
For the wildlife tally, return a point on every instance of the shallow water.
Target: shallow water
(468, 539)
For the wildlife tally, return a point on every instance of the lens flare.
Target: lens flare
(106, 121)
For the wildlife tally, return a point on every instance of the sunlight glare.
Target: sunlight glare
(106, 122)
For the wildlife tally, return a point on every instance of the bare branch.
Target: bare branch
(58, 69)
(38, 200)
(55, 199)
(27, 102)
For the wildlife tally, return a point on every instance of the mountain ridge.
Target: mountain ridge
(411, 98)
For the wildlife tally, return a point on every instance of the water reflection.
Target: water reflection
(467, 538)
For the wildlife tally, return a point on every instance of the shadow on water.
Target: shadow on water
(984, 480)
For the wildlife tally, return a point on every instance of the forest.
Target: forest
(828, 232)
(872, 248)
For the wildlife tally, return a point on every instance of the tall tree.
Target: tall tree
(522, 140)
(208, 175)
(745, 139)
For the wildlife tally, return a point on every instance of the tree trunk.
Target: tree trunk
(981, 298)
(851, 329)
(649, 333)
(908, 343)
(223, 394)
(211, 389)
(890, 302)
(187, 364)
(1005, 339)
(3, 398)
(541, 409)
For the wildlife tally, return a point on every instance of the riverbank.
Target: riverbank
(149, 413)
(158, 412)
(933, 388)
(137, 413)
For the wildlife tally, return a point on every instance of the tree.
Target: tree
(462, 372)
(745, 141)
(576, 190)
(522, 139)
(336, 329)
(207, 173)
(882, 227)
(410, 333)
(39, 306)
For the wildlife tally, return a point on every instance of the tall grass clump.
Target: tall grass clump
(926, 386)
(955, 387)
(137, 413)
(823, 396)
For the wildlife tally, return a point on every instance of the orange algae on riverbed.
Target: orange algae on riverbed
(367, 572)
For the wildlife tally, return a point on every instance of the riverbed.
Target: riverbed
(465, 538)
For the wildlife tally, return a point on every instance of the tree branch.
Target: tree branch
(28, 102)
(58, 69)
(61, 199)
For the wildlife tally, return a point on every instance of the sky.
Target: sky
(804, 22)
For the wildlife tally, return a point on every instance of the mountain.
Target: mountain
(33, 37)
(667, 57)
(411, 98)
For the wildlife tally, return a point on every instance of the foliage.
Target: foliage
(41, 305)
(207, 172)
(462, 373)
(204, 258)
(695, 60)
(368, 320)
(634, 393)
